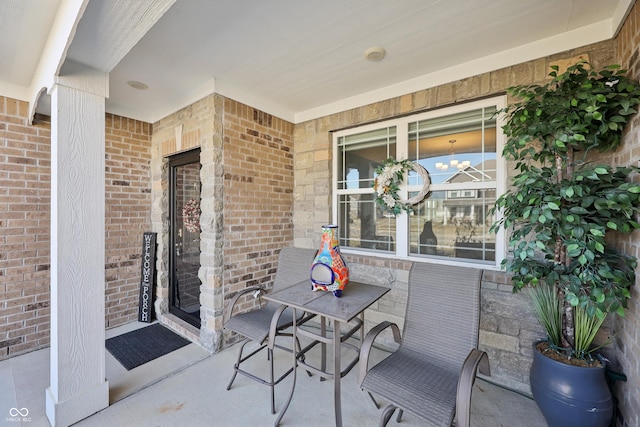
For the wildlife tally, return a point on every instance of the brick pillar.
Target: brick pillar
(78, 387)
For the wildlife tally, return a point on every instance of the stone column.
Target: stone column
(78, 386)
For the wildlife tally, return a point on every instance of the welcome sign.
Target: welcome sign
(147, 275)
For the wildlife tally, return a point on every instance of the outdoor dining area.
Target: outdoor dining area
(190, 386)
(302, 345)
(421, 376)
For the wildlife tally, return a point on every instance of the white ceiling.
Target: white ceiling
(297, 59)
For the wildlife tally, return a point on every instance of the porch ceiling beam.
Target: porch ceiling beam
(58, 42)
(96, 33)
(109, 29)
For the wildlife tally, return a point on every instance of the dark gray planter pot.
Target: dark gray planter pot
(570, 396)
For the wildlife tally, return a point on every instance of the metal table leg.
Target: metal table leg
(337, 375)
(338, 341)
(323, 346)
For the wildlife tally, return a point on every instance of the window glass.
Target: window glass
(455, 149)
(459, 151)
(362, 223)
(360, 154)
(459, 147)
(454, 227)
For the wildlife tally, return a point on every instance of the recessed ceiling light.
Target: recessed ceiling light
(374, 54)
(137, 85)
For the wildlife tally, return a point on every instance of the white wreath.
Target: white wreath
(390, 174)
(191, 216)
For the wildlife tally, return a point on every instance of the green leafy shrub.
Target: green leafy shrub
(561, 207)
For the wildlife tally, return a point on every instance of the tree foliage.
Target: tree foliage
(562, 209)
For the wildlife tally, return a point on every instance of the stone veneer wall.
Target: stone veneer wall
(508, 327)
(25, 223)
(246, 201)
(627, 340)
(198, 125)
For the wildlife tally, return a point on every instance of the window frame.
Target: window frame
(401, 124)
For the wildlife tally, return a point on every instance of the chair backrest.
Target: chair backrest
(443, 313)
(294, 266)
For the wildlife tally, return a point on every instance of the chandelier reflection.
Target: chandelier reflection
(455, 163)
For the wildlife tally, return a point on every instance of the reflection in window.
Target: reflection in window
(459, 151)
(459, 148)
(362, 224)
(360, 154)
(454, 227)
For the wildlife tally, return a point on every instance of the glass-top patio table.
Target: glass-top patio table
(356, 297)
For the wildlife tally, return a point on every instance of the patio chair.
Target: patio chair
(432, 372)
(293, 267)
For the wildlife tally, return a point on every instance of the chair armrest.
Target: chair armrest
(365, 349)
(475, 360)
(234, 300)
(273, 328)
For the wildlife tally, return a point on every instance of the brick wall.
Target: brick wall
(628, 338)
(24, 230)
(25, 223)
(127, 204)
(508, 327)
(258, 196)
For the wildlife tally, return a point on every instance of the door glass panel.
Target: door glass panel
(185, 237)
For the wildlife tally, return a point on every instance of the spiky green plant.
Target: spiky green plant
(586, 329)
(548, 308)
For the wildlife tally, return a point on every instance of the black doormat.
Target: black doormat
(143, 345)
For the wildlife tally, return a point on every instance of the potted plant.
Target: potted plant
(563, 211)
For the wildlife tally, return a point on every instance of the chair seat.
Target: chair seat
(431, 374)
(255, 324)
(418, 386)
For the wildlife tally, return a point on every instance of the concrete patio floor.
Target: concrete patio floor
(188, 388)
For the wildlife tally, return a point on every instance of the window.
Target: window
(459, 146)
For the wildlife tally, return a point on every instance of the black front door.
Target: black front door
(184, 260)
